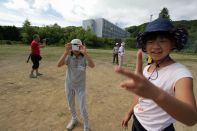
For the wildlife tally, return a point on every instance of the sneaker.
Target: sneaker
(71, 124)
(39, 74)
(32, 76)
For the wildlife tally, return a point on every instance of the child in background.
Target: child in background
(75, 57)
(164, 93)
(121, 53)
(115, 53)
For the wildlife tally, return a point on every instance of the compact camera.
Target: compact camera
(75, 47)
(76, 44)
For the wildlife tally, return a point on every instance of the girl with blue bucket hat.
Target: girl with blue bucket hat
(164, 89)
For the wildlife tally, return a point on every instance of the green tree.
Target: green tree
(164, 14)
(130, 42)
(56, 33)
(9, 33)
(27, 32)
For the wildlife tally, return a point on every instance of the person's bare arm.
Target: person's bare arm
(66, 52)
(129, 113)
(41, 45)
(90, 61)
(182, 107)
(62, 58)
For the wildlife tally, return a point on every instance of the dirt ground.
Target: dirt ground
(40, 104)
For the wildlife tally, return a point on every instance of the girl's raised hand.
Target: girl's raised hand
(137, 83)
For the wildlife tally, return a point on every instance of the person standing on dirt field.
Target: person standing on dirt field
(35, 56)
(121, 53)
(115, 53)
(163, 90)
(76, 58)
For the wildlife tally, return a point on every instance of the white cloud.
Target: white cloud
(72, 12)
(17, 4)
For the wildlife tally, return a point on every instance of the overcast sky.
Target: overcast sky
(124, 13)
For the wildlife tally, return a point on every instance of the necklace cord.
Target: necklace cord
(157, 66)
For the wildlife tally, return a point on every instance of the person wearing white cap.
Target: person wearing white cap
(76, 59)
(121, 53)
(115, 53)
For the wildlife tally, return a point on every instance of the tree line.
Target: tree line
(56, 35)
(53, 34)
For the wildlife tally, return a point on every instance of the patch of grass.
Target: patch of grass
(10, 51)
(184, 57)
(50, 53)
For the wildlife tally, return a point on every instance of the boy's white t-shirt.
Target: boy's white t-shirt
(121, 51)
(148, 113)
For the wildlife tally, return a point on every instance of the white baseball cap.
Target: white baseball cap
(122, 43)
(76, 41)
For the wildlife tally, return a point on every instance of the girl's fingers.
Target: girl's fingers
(128, 85)
(139, 62)
(124, 125)
(126, 73)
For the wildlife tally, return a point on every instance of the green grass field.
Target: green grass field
(53, 53)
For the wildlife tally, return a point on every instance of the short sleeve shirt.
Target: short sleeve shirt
(149, 114)
(121, 51)
(115, 50)
(35, 49)
(76, 71)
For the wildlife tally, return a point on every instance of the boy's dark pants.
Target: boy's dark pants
(115, 58)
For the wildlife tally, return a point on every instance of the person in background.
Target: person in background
(121, 53)
(76, 58)
(163, 91)
(115, 53)
(35, 56)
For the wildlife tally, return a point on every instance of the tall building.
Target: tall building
(103, 28)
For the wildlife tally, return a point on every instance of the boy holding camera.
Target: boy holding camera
(75, 57)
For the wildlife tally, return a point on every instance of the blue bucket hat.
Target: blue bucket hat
(180, 35)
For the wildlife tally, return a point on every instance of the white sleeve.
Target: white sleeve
(181, 73)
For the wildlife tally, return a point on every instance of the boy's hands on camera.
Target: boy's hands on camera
(68, 47)
(82, 49)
